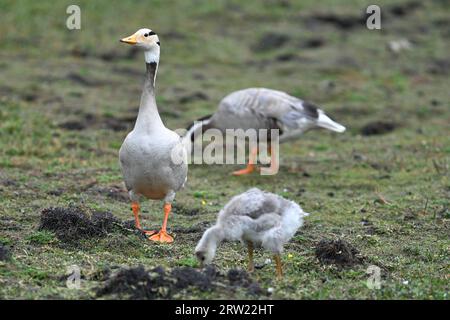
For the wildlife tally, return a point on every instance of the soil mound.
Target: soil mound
(158, 283)
(337, 252)
(72, 224)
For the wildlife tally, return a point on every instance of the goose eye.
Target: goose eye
(146, 35)
(151, 33)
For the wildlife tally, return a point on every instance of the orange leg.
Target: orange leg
(162, 235)
(274, 165)
(279, 267)
(251, 266)
(251, 166)
(136, 208)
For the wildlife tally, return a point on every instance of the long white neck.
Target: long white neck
(148, 118)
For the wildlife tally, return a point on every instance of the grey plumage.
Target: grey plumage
(261, 108)
(257, 217)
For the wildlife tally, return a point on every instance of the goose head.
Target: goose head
(143, 38)
(148, 41)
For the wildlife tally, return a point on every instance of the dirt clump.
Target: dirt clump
(439, 67)
(270, 41)
(102, 274)
(104, 221)
(185, 211)
(85, 81)
(135, 283)
(255, 289)
(238, 277)
(5, 253)
(187, 276)
(403, 9)
(337, 252)
(105, 56)
(73, 125)
(9, 183)
(195, 96)
(343, 22)
(56, 192)
(88, 121)
(114, 55)
(378, 127)
(138, 283)
(286, 57)
(72, 224)
(312, 43)
(410, 215)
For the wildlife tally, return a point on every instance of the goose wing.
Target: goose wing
(264, 108)
(288, 110)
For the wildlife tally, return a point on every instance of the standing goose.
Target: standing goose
(261, 108)
(257, 218)
(152, 157)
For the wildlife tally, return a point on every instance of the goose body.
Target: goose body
(262, 108)
(147, 166)
(255, 217)
(152, 157)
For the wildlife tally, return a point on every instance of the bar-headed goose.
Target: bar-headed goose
(152, 157)
(257, 218)
(261, 108)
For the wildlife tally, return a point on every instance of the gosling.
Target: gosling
(257, 218)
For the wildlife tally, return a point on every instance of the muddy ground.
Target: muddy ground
(378, 194)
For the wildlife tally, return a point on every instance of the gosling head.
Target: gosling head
(206, 247)
(148, 41)
(205, 255)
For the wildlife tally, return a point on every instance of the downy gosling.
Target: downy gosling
(257, 218)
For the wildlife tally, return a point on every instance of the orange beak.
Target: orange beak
(130, 40)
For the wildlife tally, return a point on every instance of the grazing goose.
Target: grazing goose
(260, 108)
(152, 157)
(256, 217)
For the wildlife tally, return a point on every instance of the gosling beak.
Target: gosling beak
(130, 40)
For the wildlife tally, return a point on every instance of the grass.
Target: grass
(208, 48)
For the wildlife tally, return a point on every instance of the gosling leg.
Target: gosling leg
(251, 266)
(278, 266)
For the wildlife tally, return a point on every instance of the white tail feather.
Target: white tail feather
(187, 142)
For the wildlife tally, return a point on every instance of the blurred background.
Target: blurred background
(69, 97)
